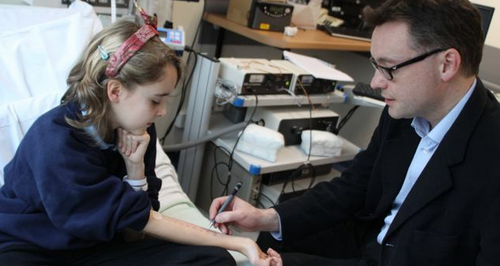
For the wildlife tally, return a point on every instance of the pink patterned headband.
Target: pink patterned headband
(132, 44)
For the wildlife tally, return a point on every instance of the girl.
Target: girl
(83, 177)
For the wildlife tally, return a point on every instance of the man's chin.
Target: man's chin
(394, 113)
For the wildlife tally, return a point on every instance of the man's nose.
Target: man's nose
(378, 80)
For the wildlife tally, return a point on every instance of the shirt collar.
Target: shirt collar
(422, 126)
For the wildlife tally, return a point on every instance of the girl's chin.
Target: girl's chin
(138, 131)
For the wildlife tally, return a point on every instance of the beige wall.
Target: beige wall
(187, 14)
(492, 39)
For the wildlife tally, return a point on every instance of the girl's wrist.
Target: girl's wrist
(137, 184)
(244, 245)
(135, 171)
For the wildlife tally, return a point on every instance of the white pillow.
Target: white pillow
(42, 48)
(38, 47)
(15, 120)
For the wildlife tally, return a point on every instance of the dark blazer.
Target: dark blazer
(452, 214)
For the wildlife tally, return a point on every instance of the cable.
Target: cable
(345, 119)
(307, 164)
(225, 92)
(311, 106)
(185, 83)
(228, 175)
(213, 135)
(241, 134)
(297, 173)
(181, 103)
(229, 164)
(199, 25)
(260, 203)
(214, 169)
(268, 198)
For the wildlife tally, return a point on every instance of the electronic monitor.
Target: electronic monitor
(486, 16)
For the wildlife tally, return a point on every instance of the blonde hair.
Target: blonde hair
(87, 80)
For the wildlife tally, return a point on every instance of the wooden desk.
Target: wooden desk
(304, 39)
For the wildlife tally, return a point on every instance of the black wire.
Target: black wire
(293, 177)
(310, 132)
(310, 119)
(212, 178)
(216, 170)
(307, 164)
(260, 203)
(215, 160)
(241, 134)
(199, 25)
(196, 33)
(186, 82)
(228, 176)
(181, 102)
(229, 164)
(268, 198)
(346, 118)
(313, 177)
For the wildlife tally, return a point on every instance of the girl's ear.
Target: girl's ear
(114, 90)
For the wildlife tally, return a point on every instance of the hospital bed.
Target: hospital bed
(38, 47)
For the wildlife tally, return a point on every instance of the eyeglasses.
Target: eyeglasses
(387, 71)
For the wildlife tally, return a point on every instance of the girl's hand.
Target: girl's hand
(132, 148)
(255, 255)
(275, 257)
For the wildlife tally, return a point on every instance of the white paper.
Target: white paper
(318, 68)
(305, 16)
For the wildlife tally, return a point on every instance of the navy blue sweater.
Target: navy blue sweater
(63, 192)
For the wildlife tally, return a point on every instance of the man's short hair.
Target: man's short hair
(437, 24)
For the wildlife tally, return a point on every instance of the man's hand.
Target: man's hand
(243, 216)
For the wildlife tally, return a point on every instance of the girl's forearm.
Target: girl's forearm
(181, 232)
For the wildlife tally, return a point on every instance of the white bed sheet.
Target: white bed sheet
(39, 45)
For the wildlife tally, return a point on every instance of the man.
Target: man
(426, 191)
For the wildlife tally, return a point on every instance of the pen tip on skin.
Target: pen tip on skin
(212, 224)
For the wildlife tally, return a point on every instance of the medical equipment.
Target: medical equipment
(291, 121)
(255, 76)
(305, 81)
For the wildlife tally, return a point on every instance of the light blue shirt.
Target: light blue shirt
(430, 140)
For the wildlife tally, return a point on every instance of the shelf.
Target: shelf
(272, 192)
(290, 157)
(304, 39)
(285, 99)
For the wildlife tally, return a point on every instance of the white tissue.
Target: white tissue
(290, 31)
(261, 142)
(324, 143)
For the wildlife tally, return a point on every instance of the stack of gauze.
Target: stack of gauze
(261, 142)
(321, 143)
